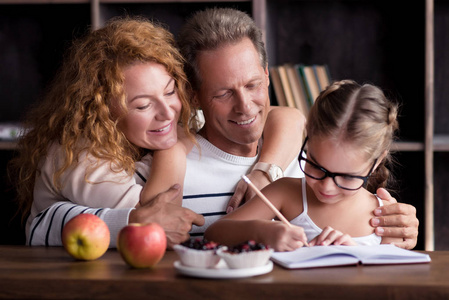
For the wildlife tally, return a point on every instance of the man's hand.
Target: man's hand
(243, 193)
(397, 220)
(163, 209)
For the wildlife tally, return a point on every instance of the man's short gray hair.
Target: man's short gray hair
(212, 28)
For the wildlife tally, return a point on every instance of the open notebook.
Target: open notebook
(327, 256)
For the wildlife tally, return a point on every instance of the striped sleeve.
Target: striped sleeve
(46, 227)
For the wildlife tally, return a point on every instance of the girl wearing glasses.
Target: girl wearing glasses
(350, 131)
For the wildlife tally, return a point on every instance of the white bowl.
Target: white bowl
(197, 258)
(251, 259)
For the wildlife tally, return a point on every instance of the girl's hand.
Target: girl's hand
(330, 236)
(281, 237)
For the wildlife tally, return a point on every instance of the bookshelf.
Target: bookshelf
(437, 137)
(364, 40)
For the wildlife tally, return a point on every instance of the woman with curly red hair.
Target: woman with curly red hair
(120, 94)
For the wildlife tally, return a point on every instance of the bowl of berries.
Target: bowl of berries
(198, 253)
(245, 255)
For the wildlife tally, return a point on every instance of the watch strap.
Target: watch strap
(262, 166)
(266, 168)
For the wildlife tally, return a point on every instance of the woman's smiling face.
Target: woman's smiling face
(153, 106)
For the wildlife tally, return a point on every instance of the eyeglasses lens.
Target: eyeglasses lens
(345, 182)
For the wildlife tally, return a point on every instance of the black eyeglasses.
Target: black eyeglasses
(344, 181)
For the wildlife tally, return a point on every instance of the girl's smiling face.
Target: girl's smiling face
(337, 157)
(153, 106)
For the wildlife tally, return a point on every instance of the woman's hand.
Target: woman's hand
(330, 236)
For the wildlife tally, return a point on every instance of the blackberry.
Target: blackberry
(200, 244)
(247, 246)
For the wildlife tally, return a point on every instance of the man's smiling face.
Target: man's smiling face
(234, 97)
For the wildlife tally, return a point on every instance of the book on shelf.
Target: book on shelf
(297, 87)
(322, 75)
(329, 256)
(286, 86)
(300, 70)
(312, 82)
(277, 86)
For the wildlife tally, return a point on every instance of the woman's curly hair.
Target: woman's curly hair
(76, 109)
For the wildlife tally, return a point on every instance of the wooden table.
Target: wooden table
(39, 272)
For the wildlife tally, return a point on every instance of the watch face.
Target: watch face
(275, 172)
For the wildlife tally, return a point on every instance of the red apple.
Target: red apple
(142, 245)
(86, 237)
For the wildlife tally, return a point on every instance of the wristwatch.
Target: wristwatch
(274, 172)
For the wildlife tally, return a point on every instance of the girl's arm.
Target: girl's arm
(167, 169)
(283, 137)
(275, 234)
(253, 221)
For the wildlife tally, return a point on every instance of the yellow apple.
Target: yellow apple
(142, 245)
(86, 237)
